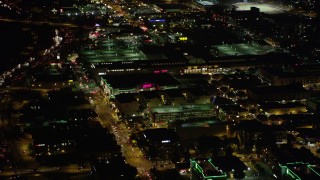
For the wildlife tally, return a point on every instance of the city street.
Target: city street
(109, 120)
(83, 84)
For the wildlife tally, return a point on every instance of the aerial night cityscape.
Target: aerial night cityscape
(160, 89)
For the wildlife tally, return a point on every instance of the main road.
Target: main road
(109, 120)
(70, 25)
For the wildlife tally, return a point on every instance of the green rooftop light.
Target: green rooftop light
(293, 175)
(199, 169)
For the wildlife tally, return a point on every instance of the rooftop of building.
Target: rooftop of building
(302, 170)
(308, 133)
(162, 135)
(126, 97)
(173, 93)
(280, 73)
(167, 174)
(171, 6)
(173, 56)
(150, 94)
(193, 79)
(229, 163)
(296, 120)
(134, 80)
(50, 77)
(232, 108)
(219, 101)
(182, 108)
(314, 99)
(275, 105)
(241, 81)
(207, 2)
(268, 8)
(206, 168)
(255, 48)
(291, 88)
(116, 65)
(257, 126)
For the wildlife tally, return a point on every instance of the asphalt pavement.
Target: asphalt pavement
(108, 119)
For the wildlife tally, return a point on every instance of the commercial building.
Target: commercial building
(277, 108)
(161, 116)
(203, 169)
(130, 55)
(232, 165)
(232, 112)
(127, 104)
(253, 135)
(152, 98)
(313, 104)
(159, 143)
(308, 78)
(52, 76)
(278, 93)
(299, 171)
(131, 83)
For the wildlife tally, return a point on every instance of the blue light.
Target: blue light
(157, 20)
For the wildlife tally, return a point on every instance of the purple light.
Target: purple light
(146, 86)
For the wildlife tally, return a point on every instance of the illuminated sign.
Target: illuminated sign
(157, 20)
(183, 38)
(146, 86)
(160, 71)
(165, 141)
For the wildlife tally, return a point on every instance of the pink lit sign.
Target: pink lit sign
(146, 86)
(160, 71)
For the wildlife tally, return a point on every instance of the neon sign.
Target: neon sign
(165, 141)
(160, 71)
(146, 86)
(157, 20)
(183, 38)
